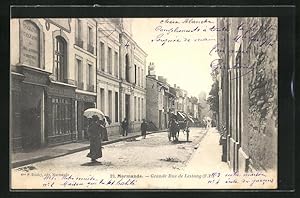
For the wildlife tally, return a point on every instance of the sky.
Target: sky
(185, 63)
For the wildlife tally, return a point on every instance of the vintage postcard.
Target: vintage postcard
(144, 103)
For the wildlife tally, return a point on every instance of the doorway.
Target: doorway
(159, 119)
(31, 114)
(127, 107)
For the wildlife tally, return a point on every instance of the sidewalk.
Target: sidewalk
(22, 158)
(207, 157)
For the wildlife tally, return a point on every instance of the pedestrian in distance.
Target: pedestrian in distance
(104, 134)
(125, 127)
(95, 130)
(174, 129)
(144, 127)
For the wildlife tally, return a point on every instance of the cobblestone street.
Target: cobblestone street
(156, 151)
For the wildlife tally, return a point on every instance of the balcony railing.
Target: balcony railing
(80, 85)
(90, 88)
(79, 42)
(90, 48)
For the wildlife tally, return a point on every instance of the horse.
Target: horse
(173, 130)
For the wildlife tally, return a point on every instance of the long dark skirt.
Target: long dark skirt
(95, 148)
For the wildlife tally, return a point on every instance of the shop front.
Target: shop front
(60, 113)
(15, 111)
(28, 107)
(83, 102)
(28, 82)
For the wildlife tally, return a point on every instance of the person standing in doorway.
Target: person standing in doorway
(144, 128)
(125, 127)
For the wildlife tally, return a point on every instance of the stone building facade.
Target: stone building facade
(248, 48)
(60, 67)
(85, 72)
(121, 71)
(158, 107)
(42, 82)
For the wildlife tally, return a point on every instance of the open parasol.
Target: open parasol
(93, 111)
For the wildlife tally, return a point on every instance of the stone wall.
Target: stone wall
(248, 50)
(262, 92)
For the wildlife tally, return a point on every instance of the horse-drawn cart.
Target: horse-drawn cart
(179, 121)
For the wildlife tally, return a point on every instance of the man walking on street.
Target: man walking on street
(144, 128)
(125, 127)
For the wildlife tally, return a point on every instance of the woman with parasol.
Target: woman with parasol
(95, 130)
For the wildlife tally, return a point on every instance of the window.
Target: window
(134, 74)
(90, 78)
(110, 104)
(142, 78)
(139, 76)
(102, 102)
(78, 33)
(79, 74)
(90, 47)
(139, 105)
(135, 108)
(60, 66)
(116, 64)
(90, 35)
(116, 107)
(127, 67)
(61, 116)
(109, 59)
(102, 58)
(91, 74)
(142, 108)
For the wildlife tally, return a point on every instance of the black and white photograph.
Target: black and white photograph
(144, 103)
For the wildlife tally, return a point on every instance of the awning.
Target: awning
(181, 115)
(190, 118)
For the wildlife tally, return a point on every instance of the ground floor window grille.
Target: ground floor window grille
(61, 116)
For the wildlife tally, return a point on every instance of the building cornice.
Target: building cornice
(85, 92)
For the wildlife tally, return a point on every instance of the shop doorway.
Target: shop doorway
(127, 107)
(31, 114)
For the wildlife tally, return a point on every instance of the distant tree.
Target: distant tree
(213, 98)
